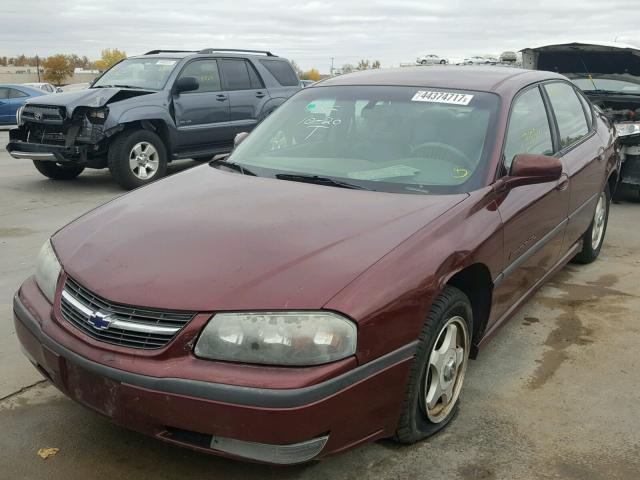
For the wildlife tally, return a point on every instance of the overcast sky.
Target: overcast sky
(311, 32)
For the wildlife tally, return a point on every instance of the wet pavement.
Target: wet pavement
(555, 395)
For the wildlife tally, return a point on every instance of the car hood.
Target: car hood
(211, 240)
(587, 57)
(92, 98)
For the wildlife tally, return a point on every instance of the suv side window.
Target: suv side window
(4, 93)
(236, 75)
(528, 130)
(206, 71)
(569, 113)
(282, 71)
(13, 93)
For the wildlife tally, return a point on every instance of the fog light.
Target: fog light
(262, 452)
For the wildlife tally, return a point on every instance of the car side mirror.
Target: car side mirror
(186, 84)
(239, 138)
(528, 169)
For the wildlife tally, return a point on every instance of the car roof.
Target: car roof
(19, 86)
(195, 54)
(483, 78)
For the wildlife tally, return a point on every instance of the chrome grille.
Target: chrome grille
(118, 324)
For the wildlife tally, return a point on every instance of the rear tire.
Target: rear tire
(437, 373)
(443, 62)
(593, 238)
(423, 62)
(58, 171)
(137, 158)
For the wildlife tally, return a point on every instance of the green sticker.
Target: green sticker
(311, 106)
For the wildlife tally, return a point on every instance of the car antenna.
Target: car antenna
(586, 70)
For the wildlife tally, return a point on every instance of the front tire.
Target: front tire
(137, 158)
(439, 367)
(58, 171)
(593, 238)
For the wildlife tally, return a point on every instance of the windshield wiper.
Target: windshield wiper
(232, 166)
(296, 177)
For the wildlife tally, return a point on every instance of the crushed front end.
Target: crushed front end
(51, 133)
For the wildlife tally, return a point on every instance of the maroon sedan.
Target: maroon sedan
(326, 285)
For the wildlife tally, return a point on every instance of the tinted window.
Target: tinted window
(236, 74)
(569, 113)
(13, 93)
(206, 72)
(396, 139)
(528, 130)
(4, 93)
(253, 76)
(282, 71)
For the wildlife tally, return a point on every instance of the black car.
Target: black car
(151, 109)
(609, 75)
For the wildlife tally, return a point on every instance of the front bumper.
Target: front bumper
(45, 152)
(278, 426)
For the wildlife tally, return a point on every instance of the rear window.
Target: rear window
(570, 115)
(282, 71)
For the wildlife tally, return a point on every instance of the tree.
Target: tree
(363, 65)
(376, 64)
(109, 57)
(312, 74)
(347, 68)
(57, 68)
(297, 69)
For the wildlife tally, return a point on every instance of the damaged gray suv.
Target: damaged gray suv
(151, 109)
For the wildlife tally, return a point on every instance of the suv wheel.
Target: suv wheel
(136, 158)
(58, 171)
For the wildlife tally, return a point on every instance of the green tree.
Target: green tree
(57, 68)
(109, 57)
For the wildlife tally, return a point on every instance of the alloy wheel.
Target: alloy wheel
(446, 369)
(599, 221)
(144, 160)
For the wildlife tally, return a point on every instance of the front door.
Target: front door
(202, 115)
(533, 216)
(11, 100)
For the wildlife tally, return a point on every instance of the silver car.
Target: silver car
(431, 60)
(477, 60)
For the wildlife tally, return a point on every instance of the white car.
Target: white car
(431, 60)
(45, 87)
(480, 61)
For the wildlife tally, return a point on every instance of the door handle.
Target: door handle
(563, 182)
(221, 98)
(259, 94)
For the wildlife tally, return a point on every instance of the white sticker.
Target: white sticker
(442, 97)
(166, 62)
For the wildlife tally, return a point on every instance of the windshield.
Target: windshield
(609, 84)
(395, 139)
(147, 73)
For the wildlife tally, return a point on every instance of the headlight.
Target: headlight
(278, 338)
(98, 115)
(625, 129)
(47, 271)
(19, 116)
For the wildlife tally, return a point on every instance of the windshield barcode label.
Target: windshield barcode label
(442, 97)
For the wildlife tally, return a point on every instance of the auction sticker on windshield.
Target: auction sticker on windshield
(442, 97)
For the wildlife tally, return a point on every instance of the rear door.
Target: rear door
(246, 92)
(582, 153)
(534, 216)
(202, 116)
(11, 99)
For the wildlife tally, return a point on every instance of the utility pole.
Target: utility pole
(332, 66)
(38, 67)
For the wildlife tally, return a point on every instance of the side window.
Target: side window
(236, 74)
(4, 93)
(587, 110)
(206, 71)
(572, 122)
(282, 71)
(13, 93)
(254, 78)
(528, 130)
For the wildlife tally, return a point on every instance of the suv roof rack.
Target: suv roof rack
(154, 52)
(213, 50)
